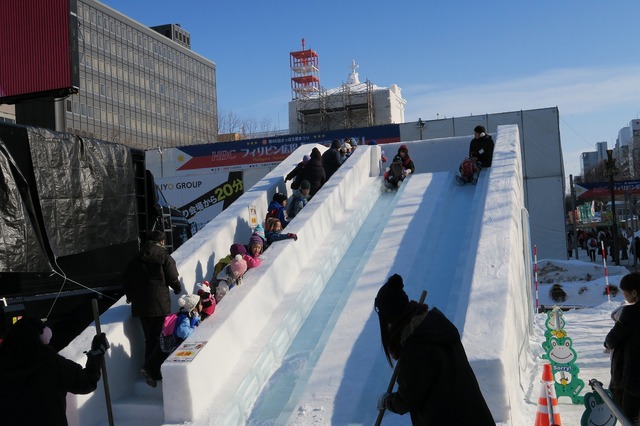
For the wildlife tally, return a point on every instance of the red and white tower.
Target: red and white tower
(304, 73)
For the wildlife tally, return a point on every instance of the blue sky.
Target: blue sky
(449, 58)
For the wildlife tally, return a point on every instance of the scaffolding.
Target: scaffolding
(304, 73)
(344, 108)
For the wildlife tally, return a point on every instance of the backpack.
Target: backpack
(167, 340)
(467, 168)
(593, 243)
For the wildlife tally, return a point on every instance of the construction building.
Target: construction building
(352, 105)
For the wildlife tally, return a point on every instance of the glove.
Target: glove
(407, 172)
(99, 345)
(387, 169)
(382, 401)
(294, 236)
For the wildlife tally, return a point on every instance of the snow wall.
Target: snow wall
(234, 359)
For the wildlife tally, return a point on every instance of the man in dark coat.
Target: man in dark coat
(313, 172)
(36, 379)
(436, 384)
(481, 147)
(624, 341)
(331, 159)
(293, 174)
(147, 283)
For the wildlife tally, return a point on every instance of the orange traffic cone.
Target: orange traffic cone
(548, 414)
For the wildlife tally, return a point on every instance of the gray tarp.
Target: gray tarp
(21, 246)
(84, 197)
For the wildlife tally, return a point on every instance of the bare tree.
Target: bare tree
(230, 122)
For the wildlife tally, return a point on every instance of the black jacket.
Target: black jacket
(331, 159)
(35, 391)
(436, 384)
(147, 281)
(482, 149)
(624, 339)
(314, 173)
(293, 174)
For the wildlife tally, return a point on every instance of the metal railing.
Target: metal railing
(597, 387)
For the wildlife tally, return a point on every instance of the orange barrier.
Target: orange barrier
(547, 414)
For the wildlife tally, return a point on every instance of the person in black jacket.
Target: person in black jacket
(147, 283)
(436, 384)
(293, 174)
(332, 159)
(35, 379)
(313, 172)
(481, 147)
(624, 341)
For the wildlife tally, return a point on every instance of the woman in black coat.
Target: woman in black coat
(624, 341)
(313, 172)
(436, 384)
(35, 379)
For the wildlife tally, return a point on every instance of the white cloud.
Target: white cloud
(574, 91)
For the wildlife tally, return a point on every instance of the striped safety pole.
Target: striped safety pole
(606, 272)
(535, 275)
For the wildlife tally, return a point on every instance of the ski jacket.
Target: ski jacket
(36, 389)
(482, 149)
(314, 173)
(297, 203)
(293, 174)
(148, 279)
(407, 162)
(278, 211)
(186, 323)
(252, 262)
(624, 339)
(331, 159)
(273, 236)
(435, 380)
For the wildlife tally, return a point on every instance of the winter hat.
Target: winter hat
(404, 148)
(260, 231)
(204, 290)
(188, 301)
(315, 153)
(372, 142)
(256, 240)
(305, 184)
(237, 249)
(391, 299)
(238, 267)
(279, 197)
(347, 145)
(479, 129)
(335, 144)
(306, 158)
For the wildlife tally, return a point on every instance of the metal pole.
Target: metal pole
(614, 228)
(105, 380)
(597, 386)
(573, 215)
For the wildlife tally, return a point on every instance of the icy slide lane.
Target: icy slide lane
(334, 370)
